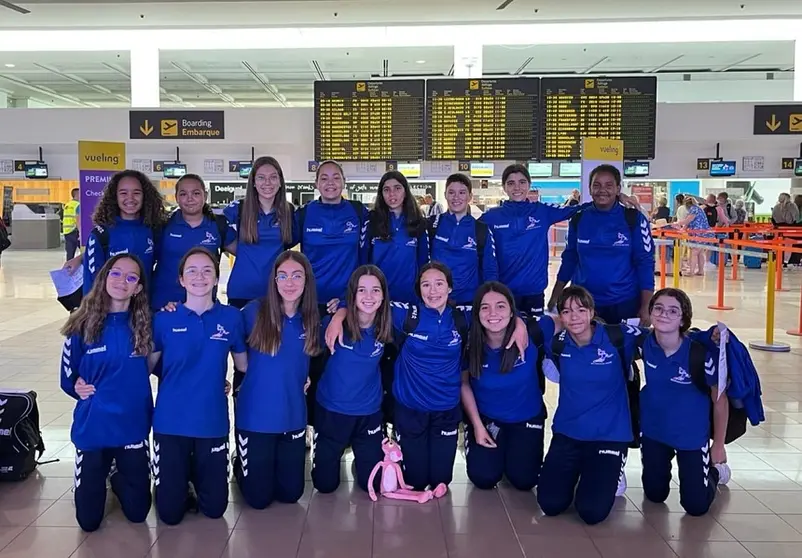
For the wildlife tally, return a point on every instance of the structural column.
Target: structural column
(798, 69)
(468, 60)
(145, 92)
(3, 100)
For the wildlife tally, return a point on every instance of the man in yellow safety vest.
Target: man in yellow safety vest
(69, 226)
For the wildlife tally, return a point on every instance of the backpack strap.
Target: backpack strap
(371, 234)
(557, 347)
(631, 216)
(431, 228)
(574, 222)
(222, 229)
(412, 320)
(481, 242)
(300, 217)
(698, 356)
(103, 239)
(461, 323)
(616, 337)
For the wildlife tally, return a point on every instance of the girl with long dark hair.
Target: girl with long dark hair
(104, 367)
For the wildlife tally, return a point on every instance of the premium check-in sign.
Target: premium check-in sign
(177, 124)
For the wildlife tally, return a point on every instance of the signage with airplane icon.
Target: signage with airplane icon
(165, 124)
(772, 120)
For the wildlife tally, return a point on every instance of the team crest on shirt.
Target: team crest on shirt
(470, 245)
(220, 335)
(603, 357)
(533, 224)
(349, 227)
(455, 338)
(149, 249)
(682, 377)
(412, 242)
(210, 240)
(378, 347)
(622, 240)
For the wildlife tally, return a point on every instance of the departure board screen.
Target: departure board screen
(482, 119)
(621, 108)
(369, 120)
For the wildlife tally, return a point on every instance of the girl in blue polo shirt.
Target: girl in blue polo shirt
(128, 220)
(263, 228)
(501, 395)
(675, 407)
(193, 224)
(190, 421)
(349, 394)
(282, 332)
(428, 377)
(104, 367)
(592, 426)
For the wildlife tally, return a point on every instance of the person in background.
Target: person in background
(282, 332)
(466, 246)
(501, 396)
(740, 213)
(798, 204)
(104, 368)
(263, 227)
(675, 411)
(695, 221)
(349, 395)
(796, 257)
(128, 220)
(680, 211)
(70, 224)
(433, 208)
(574, 199)
(592, 426)
(521, 231)
(606, 236)
(661, 211)
(726, 212)
(190, 420)
(785, 212)
(533, 195)
(193, 224)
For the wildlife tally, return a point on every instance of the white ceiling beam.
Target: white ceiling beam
(265, 84)
(49, 92)
(81, 81)
(596, 64)
(14, 7)
(204, 82)
(172, 97)
(318, 71)
(523, 66)
(739, 62)
(664, 64)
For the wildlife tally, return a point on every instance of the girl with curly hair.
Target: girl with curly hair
(127, 220)
(104, 367)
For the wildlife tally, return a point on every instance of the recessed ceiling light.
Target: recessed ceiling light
(420, 61)
(9, 65)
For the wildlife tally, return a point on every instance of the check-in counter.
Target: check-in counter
(38, 229)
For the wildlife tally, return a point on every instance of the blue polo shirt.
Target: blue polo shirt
(194, 349)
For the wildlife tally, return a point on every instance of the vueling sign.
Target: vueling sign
(149, 124)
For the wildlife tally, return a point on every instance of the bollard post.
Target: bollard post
(722, 270)
(736, 257)
(675, 279)
(662, 266)
(769, 344)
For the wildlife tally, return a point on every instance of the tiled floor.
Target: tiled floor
(759, 515)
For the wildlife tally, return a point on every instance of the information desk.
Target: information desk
(369, 120)
(622, 108)
(482, 119)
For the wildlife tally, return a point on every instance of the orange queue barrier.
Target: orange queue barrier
(722, 271)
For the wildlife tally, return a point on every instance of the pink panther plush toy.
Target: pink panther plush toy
(393, 485)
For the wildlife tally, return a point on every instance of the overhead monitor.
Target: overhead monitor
(635, 169)
(174, 170)
(410, 170)
(570, 170)
(376, 120)
(36, 170)
(540, 170)
(482, 170)
(482, 119)
(798, 167)
(619, 108)
(722, 168)
(245, 169)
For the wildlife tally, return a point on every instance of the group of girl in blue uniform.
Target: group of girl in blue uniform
(357, 330)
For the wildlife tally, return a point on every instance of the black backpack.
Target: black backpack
(21, 442)
(538, 340)
(433, 223)
(633, 383)
(699, 366)
(630, 214)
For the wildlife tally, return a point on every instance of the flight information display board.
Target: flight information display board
(622, 108)
(369, 120)
(482, 119)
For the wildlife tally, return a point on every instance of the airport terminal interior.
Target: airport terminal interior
(699, 98)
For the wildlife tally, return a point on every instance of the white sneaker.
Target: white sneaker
(310, 437)
(622, 486)
(724, 473)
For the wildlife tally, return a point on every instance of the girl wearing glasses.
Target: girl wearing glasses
(193, 224)
(104, 367)
(282, 332)
(190, 421)
(675, 408)
(262, 224)
(349, 395)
